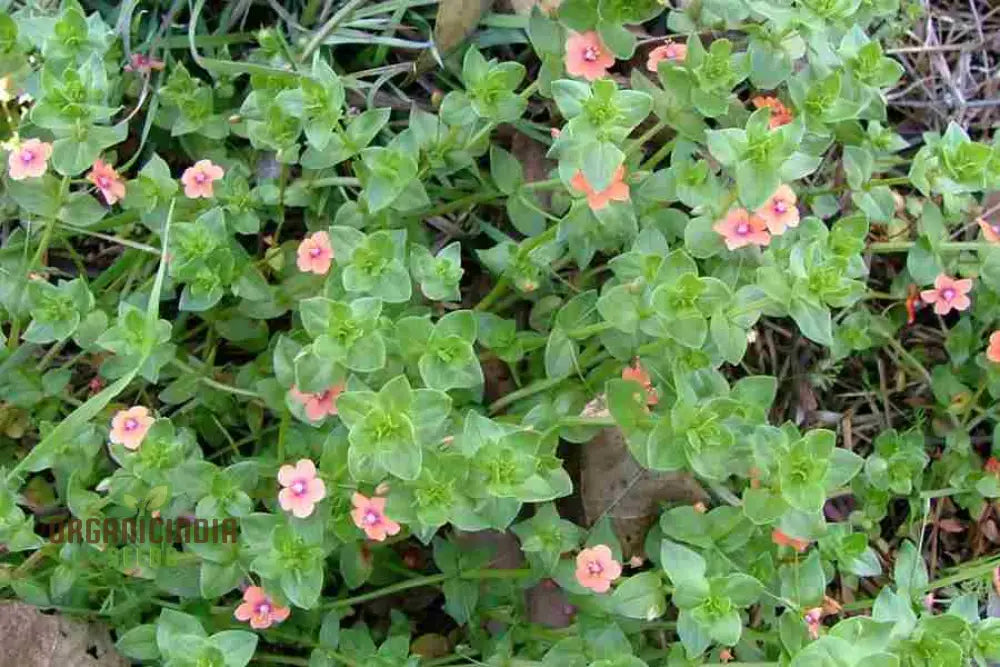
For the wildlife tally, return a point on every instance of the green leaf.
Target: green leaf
(355, 564)
(560, 354)
(910, 572)
(640, 596)
(681, 564)
(813, 319)
(139, 643)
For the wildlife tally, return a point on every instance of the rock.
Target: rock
(35, 639)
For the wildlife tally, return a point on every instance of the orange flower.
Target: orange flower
(617, 191)
(638, 374)
(814, 620)
(198, 179)
(780, 212)
(739, 229)
(318, 406)
(259, 609)
(596, 568)
(107, 180)
(140, 62)
(783, 540)
(991, 231)
(315, 254)
(29, 160)
(128, 427)
(669, 51)
(912, 301)
(992, 466)
(369, 515)
(587, 57)
(948, 293)
(993, 349)
(301, 488)
(780, 114)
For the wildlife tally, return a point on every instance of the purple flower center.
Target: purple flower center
(103, 182)
(743, 229)
(27, 156)
(370, 518)
(594, 567)
(590, 54)
(200, 177)
(299, 487)
(948, 293)
(264, 608)
(315, 251)
(131, 424)
(780, 206)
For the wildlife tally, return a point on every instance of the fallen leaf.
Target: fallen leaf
(548, 605)
(430, 646)
(456, 20)
(612, 482)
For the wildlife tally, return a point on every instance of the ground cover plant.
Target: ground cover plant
(599, 333)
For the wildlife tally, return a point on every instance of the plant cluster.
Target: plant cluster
(237, 284)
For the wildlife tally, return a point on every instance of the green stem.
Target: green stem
(913, 361)
(590, 330)
(896, 180)
(524, 392)
(275, 659)
(587, 421)
(548, 184)
(214, 383)
(658, 157)
(644, 137)
(335, 181)
(458, 204)
(948, 246)
(428, 580)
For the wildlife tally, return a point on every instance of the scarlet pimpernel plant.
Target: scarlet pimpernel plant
(593, 333)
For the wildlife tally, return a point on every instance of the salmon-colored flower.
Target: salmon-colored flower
(198, 179)
(128, 427)
(739, 229)
(318, 406)
(315, 254)
(783, 540)
(912, 301)
(587, 57)
(991, 231)
(260, 609)
(948, 293)
(29, 160)
(302, 488)
(993, 349)
(669, 51)
(779, 211)
(813, 619)
(992, 466)
(107, 180)
(140, 62)
(637, 373)
(618, 190)
(596, 568)
(369, 515)
(780, 114)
